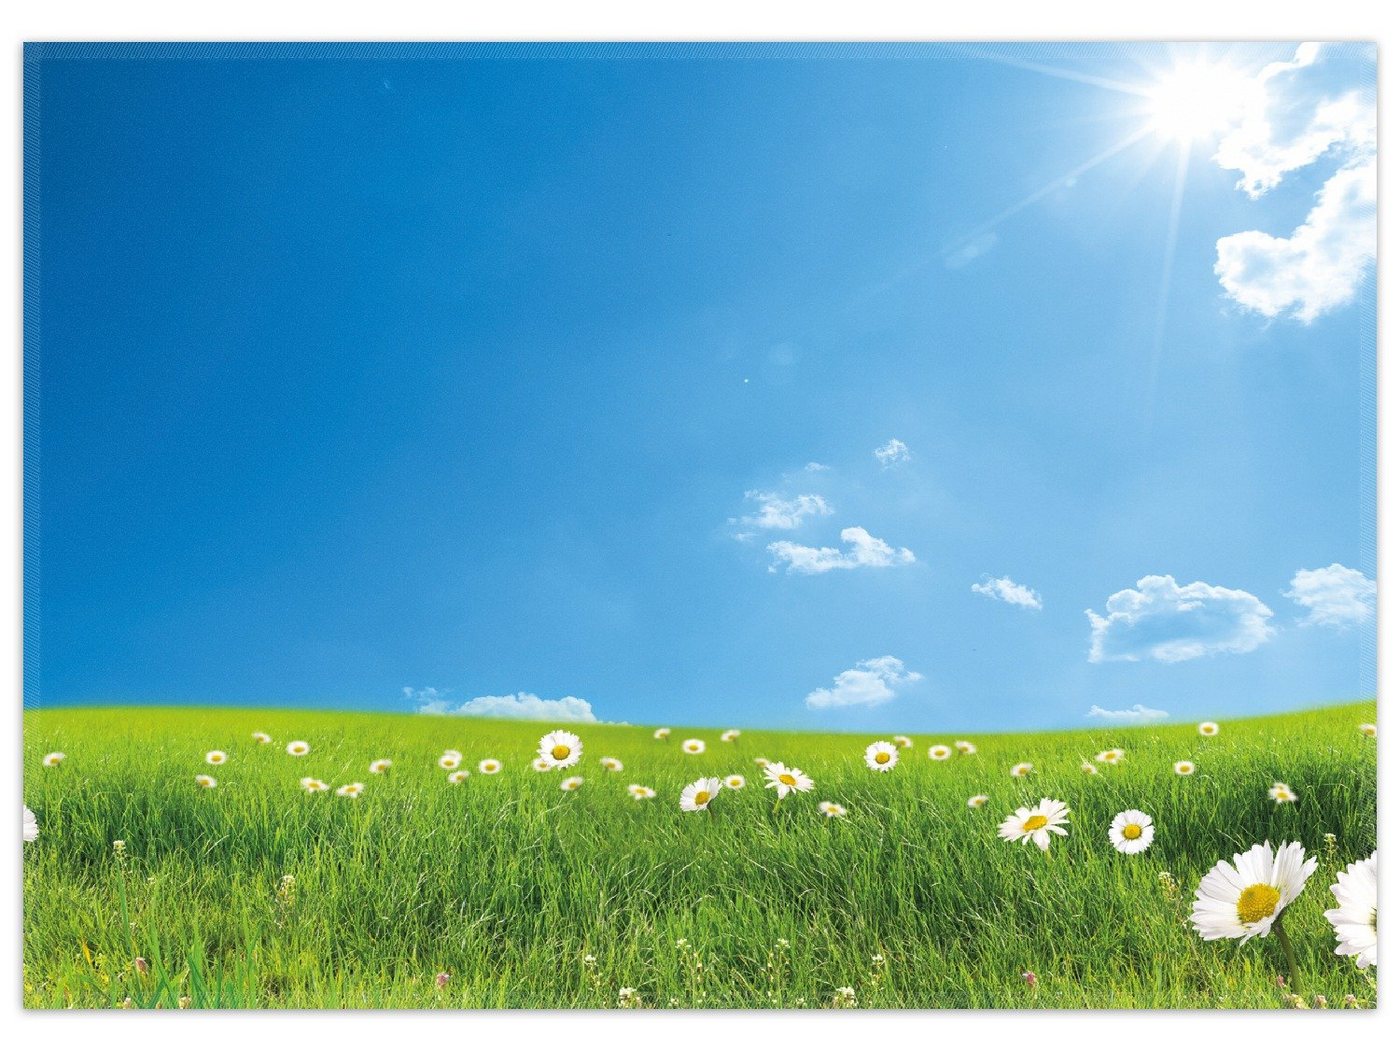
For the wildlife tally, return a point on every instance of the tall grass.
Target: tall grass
(255, 894)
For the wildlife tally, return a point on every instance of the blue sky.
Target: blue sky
(402, 380)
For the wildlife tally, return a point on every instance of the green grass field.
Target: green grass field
(507, 883)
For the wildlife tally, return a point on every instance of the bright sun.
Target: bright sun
(1192, 102)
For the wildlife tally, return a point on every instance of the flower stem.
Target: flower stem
(1293, 977)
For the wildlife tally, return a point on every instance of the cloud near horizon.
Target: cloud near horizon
(1005, 589)
(1334, 597)
(1136, 713)
(869, 683)
(1162, 620)
(862, 551)
(526, 707)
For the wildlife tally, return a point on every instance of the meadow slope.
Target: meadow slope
(508, 884)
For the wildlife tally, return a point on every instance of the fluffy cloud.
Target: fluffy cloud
(1007, 590)
(1284, 122)
(862, 551)
(868, 683)
(523, 706)
(1136, 713)
(776, 512)
(1335, 596)
(891, 452)
(1162, 620)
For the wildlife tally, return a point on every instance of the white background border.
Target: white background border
(657, 20)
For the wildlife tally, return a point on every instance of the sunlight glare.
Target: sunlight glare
(1193, 102)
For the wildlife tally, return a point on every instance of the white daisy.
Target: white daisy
(782, 779)
(1208, 729)
(458, 776)
(641, 792)
(53, 758)
(977, 801)
(1243, 900)
(1282, 793)
(1354, 917)
(449, 761)
(902, 741)
(940, 752)
(661, 734)
(965, 747)
(261, 738)
(349, 790)
(1184, 768)
(734, 782)
(1112, 756)
(693, 746)
(204, 780)
(380, 765)
(1036, 824)
(490, 766)
(882, 756)
(453, 754)
(216, 758)
(1022, 769)
(729, 736)
(571, 783)
(1088, 769)
(1131, 831)
(612, 765)
(699, 794)
(562, 748)
(311, 785)
(31, 825)
(832, 809)
(298, 748)
(761, 763)
(1367, 729)
(541, 764)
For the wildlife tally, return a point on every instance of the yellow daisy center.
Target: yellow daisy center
(560, 752)
(1035, 823)
(701, 797)
(881, 757)
(788, 779)
(1257, 902)
(1132, 831)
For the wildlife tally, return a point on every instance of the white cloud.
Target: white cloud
(1008, 590)
(1335, 596)
(523, 706)
(868, 683)
(1136, 713)
(1284, 123)
(815, 468)
(777, 512)
(862, 551)
(891, 452)
(1162, 620)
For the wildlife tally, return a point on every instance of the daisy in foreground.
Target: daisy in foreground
(562, 748)
(977, 801)
(380, 765)
(734, 781)
(1184, 768)
(1022, 769)
(1208, 729)
(1131, 831)
(1282, 793)
(698, 795)
(350, 790)
(783, 780)
(1354, 917)
(693, 746)
(216, 758)
(641, 792)
(1247, 899)
(298, 748)
(832, 809)
(204, 780)
(940, 752)
(571, 783)
(53, 758)
(881, 756)
(490, 766)
(1035, 825)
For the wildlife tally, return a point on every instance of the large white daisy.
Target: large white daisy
(1354, 917)
(1131, 831)
(1035, 824)
(699, 794)
(881, 756)
(562, 748)
(783, 780)
(1243, 900)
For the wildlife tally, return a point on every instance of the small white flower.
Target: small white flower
(1367, 729)
(53, 758)
(448, 761)
(298, 748)
(1354, 918)
(612, 765)
(311, 785)
(489, 766)
(1208, 729)
(761, 763)
(784, 780)
(977, 801)
(1088, 769)
(693, 746)
(562, 748)
(216, 758)
(661, 734)
(380, 765)
(940, 752)
(1282, 793)
(571, 783)
(350, 790)
(31, 825)
(729, 736)
(882, 756)
(965, 747)
(1035, 824)
(698, 794)
(640, 792)
(1022, 769)
(1112, 756)
(902, 741)
(541, 764)
(832, 809)
(452, 754)
(1131, 831)
(261, 738)
(1184, 768)
(458, 776)
(734, 782)
(204, 780)
(1242, 900)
